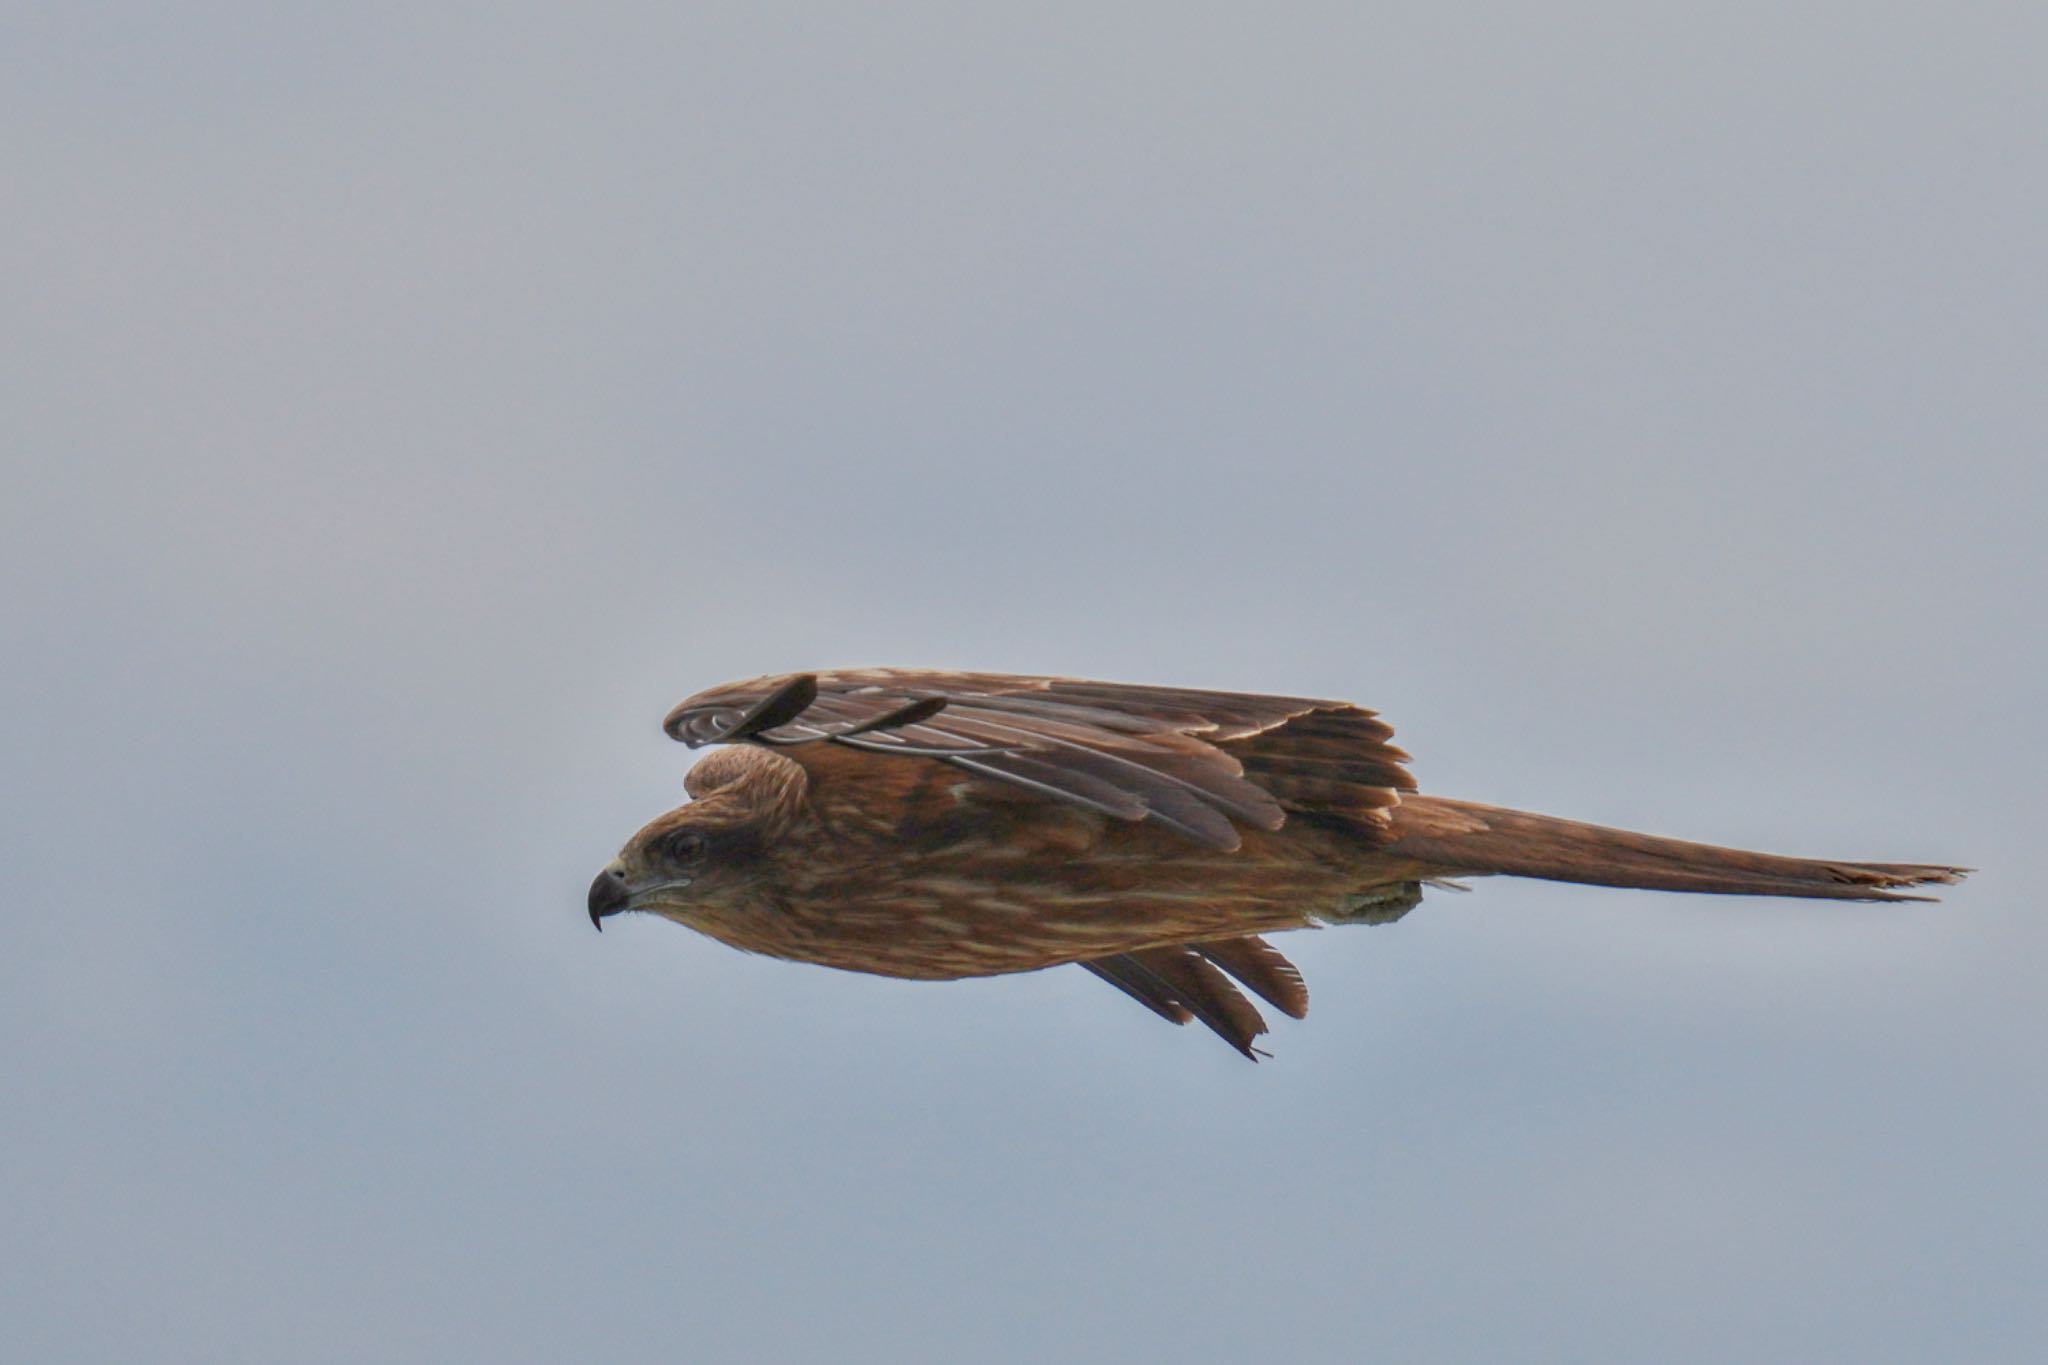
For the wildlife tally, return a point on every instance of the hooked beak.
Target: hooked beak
(608, 895)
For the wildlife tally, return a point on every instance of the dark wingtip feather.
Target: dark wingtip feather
(921, 710)
(1121, 973)
(1261, 969)
(696, 724)
(1177, 984)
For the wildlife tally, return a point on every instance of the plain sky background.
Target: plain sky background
(403, 406)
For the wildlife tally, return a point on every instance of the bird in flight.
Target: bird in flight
(936, 825)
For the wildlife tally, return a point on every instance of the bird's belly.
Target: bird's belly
(947, 917)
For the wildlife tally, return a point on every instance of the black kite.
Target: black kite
(941, 825)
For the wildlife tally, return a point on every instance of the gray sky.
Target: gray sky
(404, 407)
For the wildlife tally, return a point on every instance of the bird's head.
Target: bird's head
(707, 854)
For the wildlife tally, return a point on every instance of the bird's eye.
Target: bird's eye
(685, 845)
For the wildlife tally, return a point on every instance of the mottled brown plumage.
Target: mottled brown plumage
(943, 825)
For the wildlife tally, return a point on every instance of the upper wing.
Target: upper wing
(1193, 761)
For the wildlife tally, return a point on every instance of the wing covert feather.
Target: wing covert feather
(1200, 763)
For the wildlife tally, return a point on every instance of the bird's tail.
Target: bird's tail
(1462, 838)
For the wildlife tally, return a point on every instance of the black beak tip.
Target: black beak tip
(607, 897)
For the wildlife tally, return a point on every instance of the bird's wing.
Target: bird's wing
(1196, 762)
(1181, 982)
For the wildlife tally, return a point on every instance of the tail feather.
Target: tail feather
(1463, 838)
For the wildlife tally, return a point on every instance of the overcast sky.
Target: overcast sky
(403, 406)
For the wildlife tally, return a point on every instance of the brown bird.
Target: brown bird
(942, 825)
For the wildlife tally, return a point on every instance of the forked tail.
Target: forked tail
(1463, 838)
